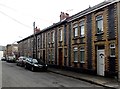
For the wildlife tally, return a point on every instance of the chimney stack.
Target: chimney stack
(63, 16)
(37, 30)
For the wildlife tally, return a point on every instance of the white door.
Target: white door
(100, 62)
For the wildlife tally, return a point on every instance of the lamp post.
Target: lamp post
(33, 39)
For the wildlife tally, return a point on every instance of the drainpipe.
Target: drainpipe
(118, 14)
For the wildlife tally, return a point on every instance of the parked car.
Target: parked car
(21, 61)
(35, 64)
(3, 59)
(11, 59)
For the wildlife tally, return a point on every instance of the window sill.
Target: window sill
(60, 41)
(75, 38)
(112, 57)
(101, 33)
(82, 62)
(52, 42)
(65, 56)
(75, 61)
(82, 37)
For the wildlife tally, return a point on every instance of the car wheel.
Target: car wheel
(32, 69)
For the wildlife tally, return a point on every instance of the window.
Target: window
(44, 40)
(82, 54)
(48, 55)
(75, 28)
(60, 35)
(41, 41)
(48, 37)
(52, 36)
(82, 29)
(75, 54)
(65, 52)
(52, 55)
(112, 50)
(99, 24)
(38, 42)
(65, 35)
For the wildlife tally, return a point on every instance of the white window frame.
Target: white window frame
(75, 50)
(82, 49)
(49, 37)
(53, 39)
(52, 54)
(75, 28)
(65, 52)
(82, 25)
(99, 18)
(112, 46)
(49, 58)
(60, 34)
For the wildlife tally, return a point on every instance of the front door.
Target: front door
(100, 62)
(44, 55)
(60, 57)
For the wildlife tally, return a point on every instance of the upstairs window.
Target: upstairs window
(52, 37)
(99, 24)
(44, 40)
(82, 29)
(75, 30)
(112, 50)
(60, 35)
(38, 42)
(48, 37)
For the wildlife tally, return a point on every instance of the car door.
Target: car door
(30, 63)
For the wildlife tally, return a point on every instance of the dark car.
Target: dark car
(35, 64)
(21, 61)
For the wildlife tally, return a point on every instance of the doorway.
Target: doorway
(100, 62)
(60, 57)
(44, 55)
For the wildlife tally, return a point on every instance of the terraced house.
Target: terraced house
(85, 42)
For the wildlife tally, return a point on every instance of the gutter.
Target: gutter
(93, 10)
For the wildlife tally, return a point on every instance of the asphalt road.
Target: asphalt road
(15, 76)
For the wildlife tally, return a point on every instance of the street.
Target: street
(15, 76)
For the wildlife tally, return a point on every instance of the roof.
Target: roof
(76, 16)
(92, 9)
(46, 29)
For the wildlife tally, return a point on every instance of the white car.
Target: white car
(11, 59)
(3, 59)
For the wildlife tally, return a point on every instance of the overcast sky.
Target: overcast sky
(17, 16)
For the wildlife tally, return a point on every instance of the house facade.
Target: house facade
(11, 50)
(85, 42)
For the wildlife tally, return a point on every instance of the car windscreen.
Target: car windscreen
(35, 61)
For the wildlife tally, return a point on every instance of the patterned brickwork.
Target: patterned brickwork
(91, 41)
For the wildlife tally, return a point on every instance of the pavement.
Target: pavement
(94, 79)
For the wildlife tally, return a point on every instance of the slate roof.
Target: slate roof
(78, 15)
